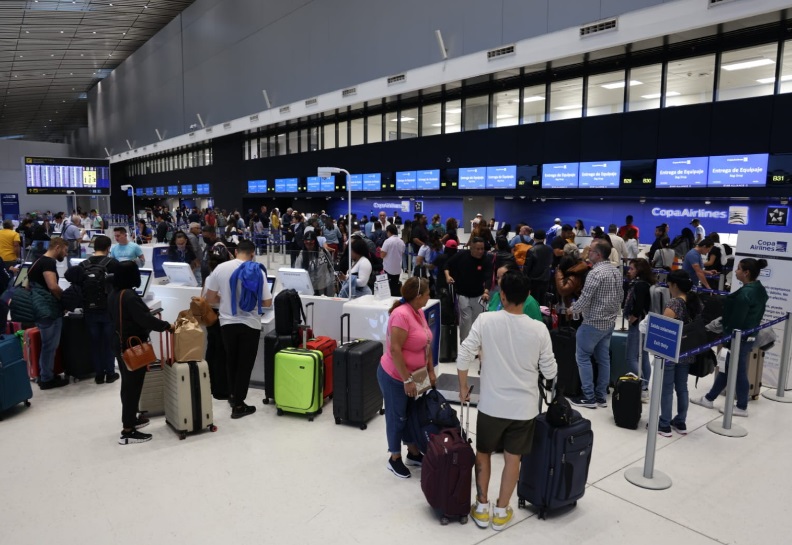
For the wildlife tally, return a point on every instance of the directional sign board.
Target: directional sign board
(663, 337)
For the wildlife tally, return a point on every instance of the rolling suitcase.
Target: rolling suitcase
(327, 346)
(188, 397)
(299, 382)
(152, 397)
(626, 401)
(358, 397)
(446, 472)
(564, 346)
(272, 344)
(31, 351)
(14, 381)
(77, 362)
(755, 370)
(449, 343)
(554, 474)
(618, 356)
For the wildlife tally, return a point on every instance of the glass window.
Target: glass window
(343, 139)
(199, 158)
(477, 113)
(786, 68)
(293, 144)
(566, 99)
(313, 134)
(506, 108)
(689, 81)
(533, 104)
(409, 123)
(606, 93)
(357, 132)
(430, 120)
(303, 140)
(391, 126)
(374, 128)
(453, 116)
(280, 144)
(328, 137)
(746, 73)
(647, 95)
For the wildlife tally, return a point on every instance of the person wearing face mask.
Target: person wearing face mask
(44, 274)
(180, 250)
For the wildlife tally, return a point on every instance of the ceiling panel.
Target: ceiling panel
(53, 51)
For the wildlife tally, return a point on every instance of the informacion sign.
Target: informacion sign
(663, 337)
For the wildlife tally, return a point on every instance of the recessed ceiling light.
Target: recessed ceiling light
(750, 63)
(27, 32)
(94, 32)
(61, 32)
(620, 84)
(454, 111)
(535, 98)
(657, 95)
(504, 116)
(772, 80)
(403, 119)
(437, 124)
(570, 107)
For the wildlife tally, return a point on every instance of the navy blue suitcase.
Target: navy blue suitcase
(14, 381)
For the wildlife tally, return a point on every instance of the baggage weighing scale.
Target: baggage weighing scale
(448, 385)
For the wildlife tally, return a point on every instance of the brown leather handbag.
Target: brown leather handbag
(202, 311)
(135, 356)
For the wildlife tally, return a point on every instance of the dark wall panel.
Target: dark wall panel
(639, 134)
(600, 138)
(685, 131)
(742, 126)
(562, 141)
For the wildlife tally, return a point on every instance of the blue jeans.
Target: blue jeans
(593, 342)
(397, 404)
(742, 377)
(50, 339)
(675, 377)
(359, 290)
(633, 348)
(102, 334)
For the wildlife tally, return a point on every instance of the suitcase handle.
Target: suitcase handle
(465, 419)
(543, 392)
(346, 317)
(312, 312)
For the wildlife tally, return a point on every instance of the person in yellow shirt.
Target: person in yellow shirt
(10, 244)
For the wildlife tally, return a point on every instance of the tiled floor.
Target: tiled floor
(270, 479)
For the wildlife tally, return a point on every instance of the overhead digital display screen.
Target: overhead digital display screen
(560, 176)
(160, 190)
(738, 170)
(682, 172)
(502, 177)
(528, 177)
(472, 178)
(314, 184)
(173, 190)
(355, 182)
(257, 186)
(149, 192)
(407, 181)
(779, 169)
(139, 192)
(53, 176)
(428, 180)
(638, 173)
(372, 182)
(202, 189)
(328, 184)
(599, 175)
(285, 185)
(187, 189)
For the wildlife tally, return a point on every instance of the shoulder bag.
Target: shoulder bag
(135, 356)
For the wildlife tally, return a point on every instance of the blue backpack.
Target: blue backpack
(248, 276)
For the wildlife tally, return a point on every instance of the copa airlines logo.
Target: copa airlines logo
(779, 246)
(689, 213)
(388, 205)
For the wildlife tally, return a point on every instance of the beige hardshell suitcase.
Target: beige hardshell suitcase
(152, 397)
(188, 397)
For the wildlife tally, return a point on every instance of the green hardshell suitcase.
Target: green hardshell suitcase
(299, 382)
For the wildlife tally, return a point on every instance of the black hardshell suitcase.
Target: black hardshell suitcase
(626, 401)
(272, 344)
(554, 474)
(357, 397)
(77, 361)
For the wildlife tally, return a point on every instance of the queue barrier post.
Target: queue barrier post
(783, 373)
(726, 428)
(647, 477)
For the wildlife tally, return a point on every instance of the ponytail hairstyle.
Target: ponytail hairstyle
(682, 280)
(412, 288)
(753, 266)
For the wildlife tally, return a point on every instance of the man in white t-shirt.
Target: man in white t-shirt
(392, 252)
(240, 328)
(514, 349)
(700, 234)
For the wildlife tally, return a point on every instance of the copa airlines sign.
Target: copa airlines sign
(396, 205)
(689, 213)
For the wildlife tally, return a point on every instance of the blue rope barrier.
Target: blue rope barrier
(746, 333)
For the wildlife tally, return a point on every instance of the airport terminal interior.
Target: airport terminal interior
(664, 110)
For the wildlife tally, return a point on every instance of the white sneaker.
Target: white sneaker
(736, 412)
(480, 512)
(644, 396)
(703, 401)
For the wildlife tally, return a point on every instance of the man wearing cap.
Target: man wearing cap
(392, 252)
(700, 232)
(537, 266)
(553, 231)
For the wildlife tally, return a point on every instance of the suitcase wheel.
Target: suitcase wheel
(444, 520)
(463, 519)
(337, 420)
(310, 419)
(280, 412)
(27, 403)
(265, 401)
(520, 503)
(363, 427)
(211, 427)
(319, 411)
(382, 410)
(182, 435)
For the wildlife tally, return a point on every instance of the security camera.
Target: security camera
(448, 159)
(543, 199)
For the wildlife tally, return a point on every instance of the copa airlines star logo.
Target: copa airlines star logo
(777, 216)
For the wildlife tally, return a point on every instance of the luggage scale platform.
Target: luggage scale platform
(448, 385)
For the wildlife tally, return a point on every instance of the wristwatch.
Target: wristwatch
(409, 380)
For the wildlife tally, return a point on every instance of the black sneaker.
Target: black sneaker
(99, 379)
(398, 468)
(141, 422)
(580, 401)
(664, 431)
(134, 436)
(415, 460)
(112, 378)
(679, 427)
(57, 382)
(243, 410)
(602, 403)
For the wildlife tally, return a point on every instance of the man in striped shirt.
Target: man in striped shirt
(599, 304)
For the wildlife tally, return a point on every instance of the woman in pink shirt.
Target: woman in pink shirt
(408, 349)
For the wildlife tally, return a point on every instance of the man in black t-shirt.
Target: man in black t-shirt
(537, 266)
(43, 274)
(470, 271)
(419, 234)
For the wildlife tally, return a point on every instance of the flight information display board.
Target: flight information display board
(173, 190)
(472, 178)
(428, 180)
(407, 181)
(560, 176)
(355, 182)
(502, 177)
(202, 189)
(187, 189)
(599, 175)
(682, 172)
(738, 170)
(53, 176)
(285, 185)
(257, 186)
(372, 181)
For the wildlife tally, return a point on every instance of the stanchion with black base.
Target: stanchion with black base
(783, 371)
(648, 477)
(726, 428)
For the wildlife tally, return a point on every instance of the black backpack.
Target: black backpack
(289, 313)
(94, 288)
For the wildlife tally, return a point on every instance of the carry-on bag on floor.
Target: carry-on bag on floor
(755, 370)
(626, 401)
(77, 361)
(272, 344)
(14, 381)
(327, 346)
(357, 398)
(10, 349)
(446, 471)
(554, 474)
(152, 397)
(32, 350)
(564, 343)
(188, 397)
(299, 381)
(618, 356)
(429, 414)
(448, 343)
